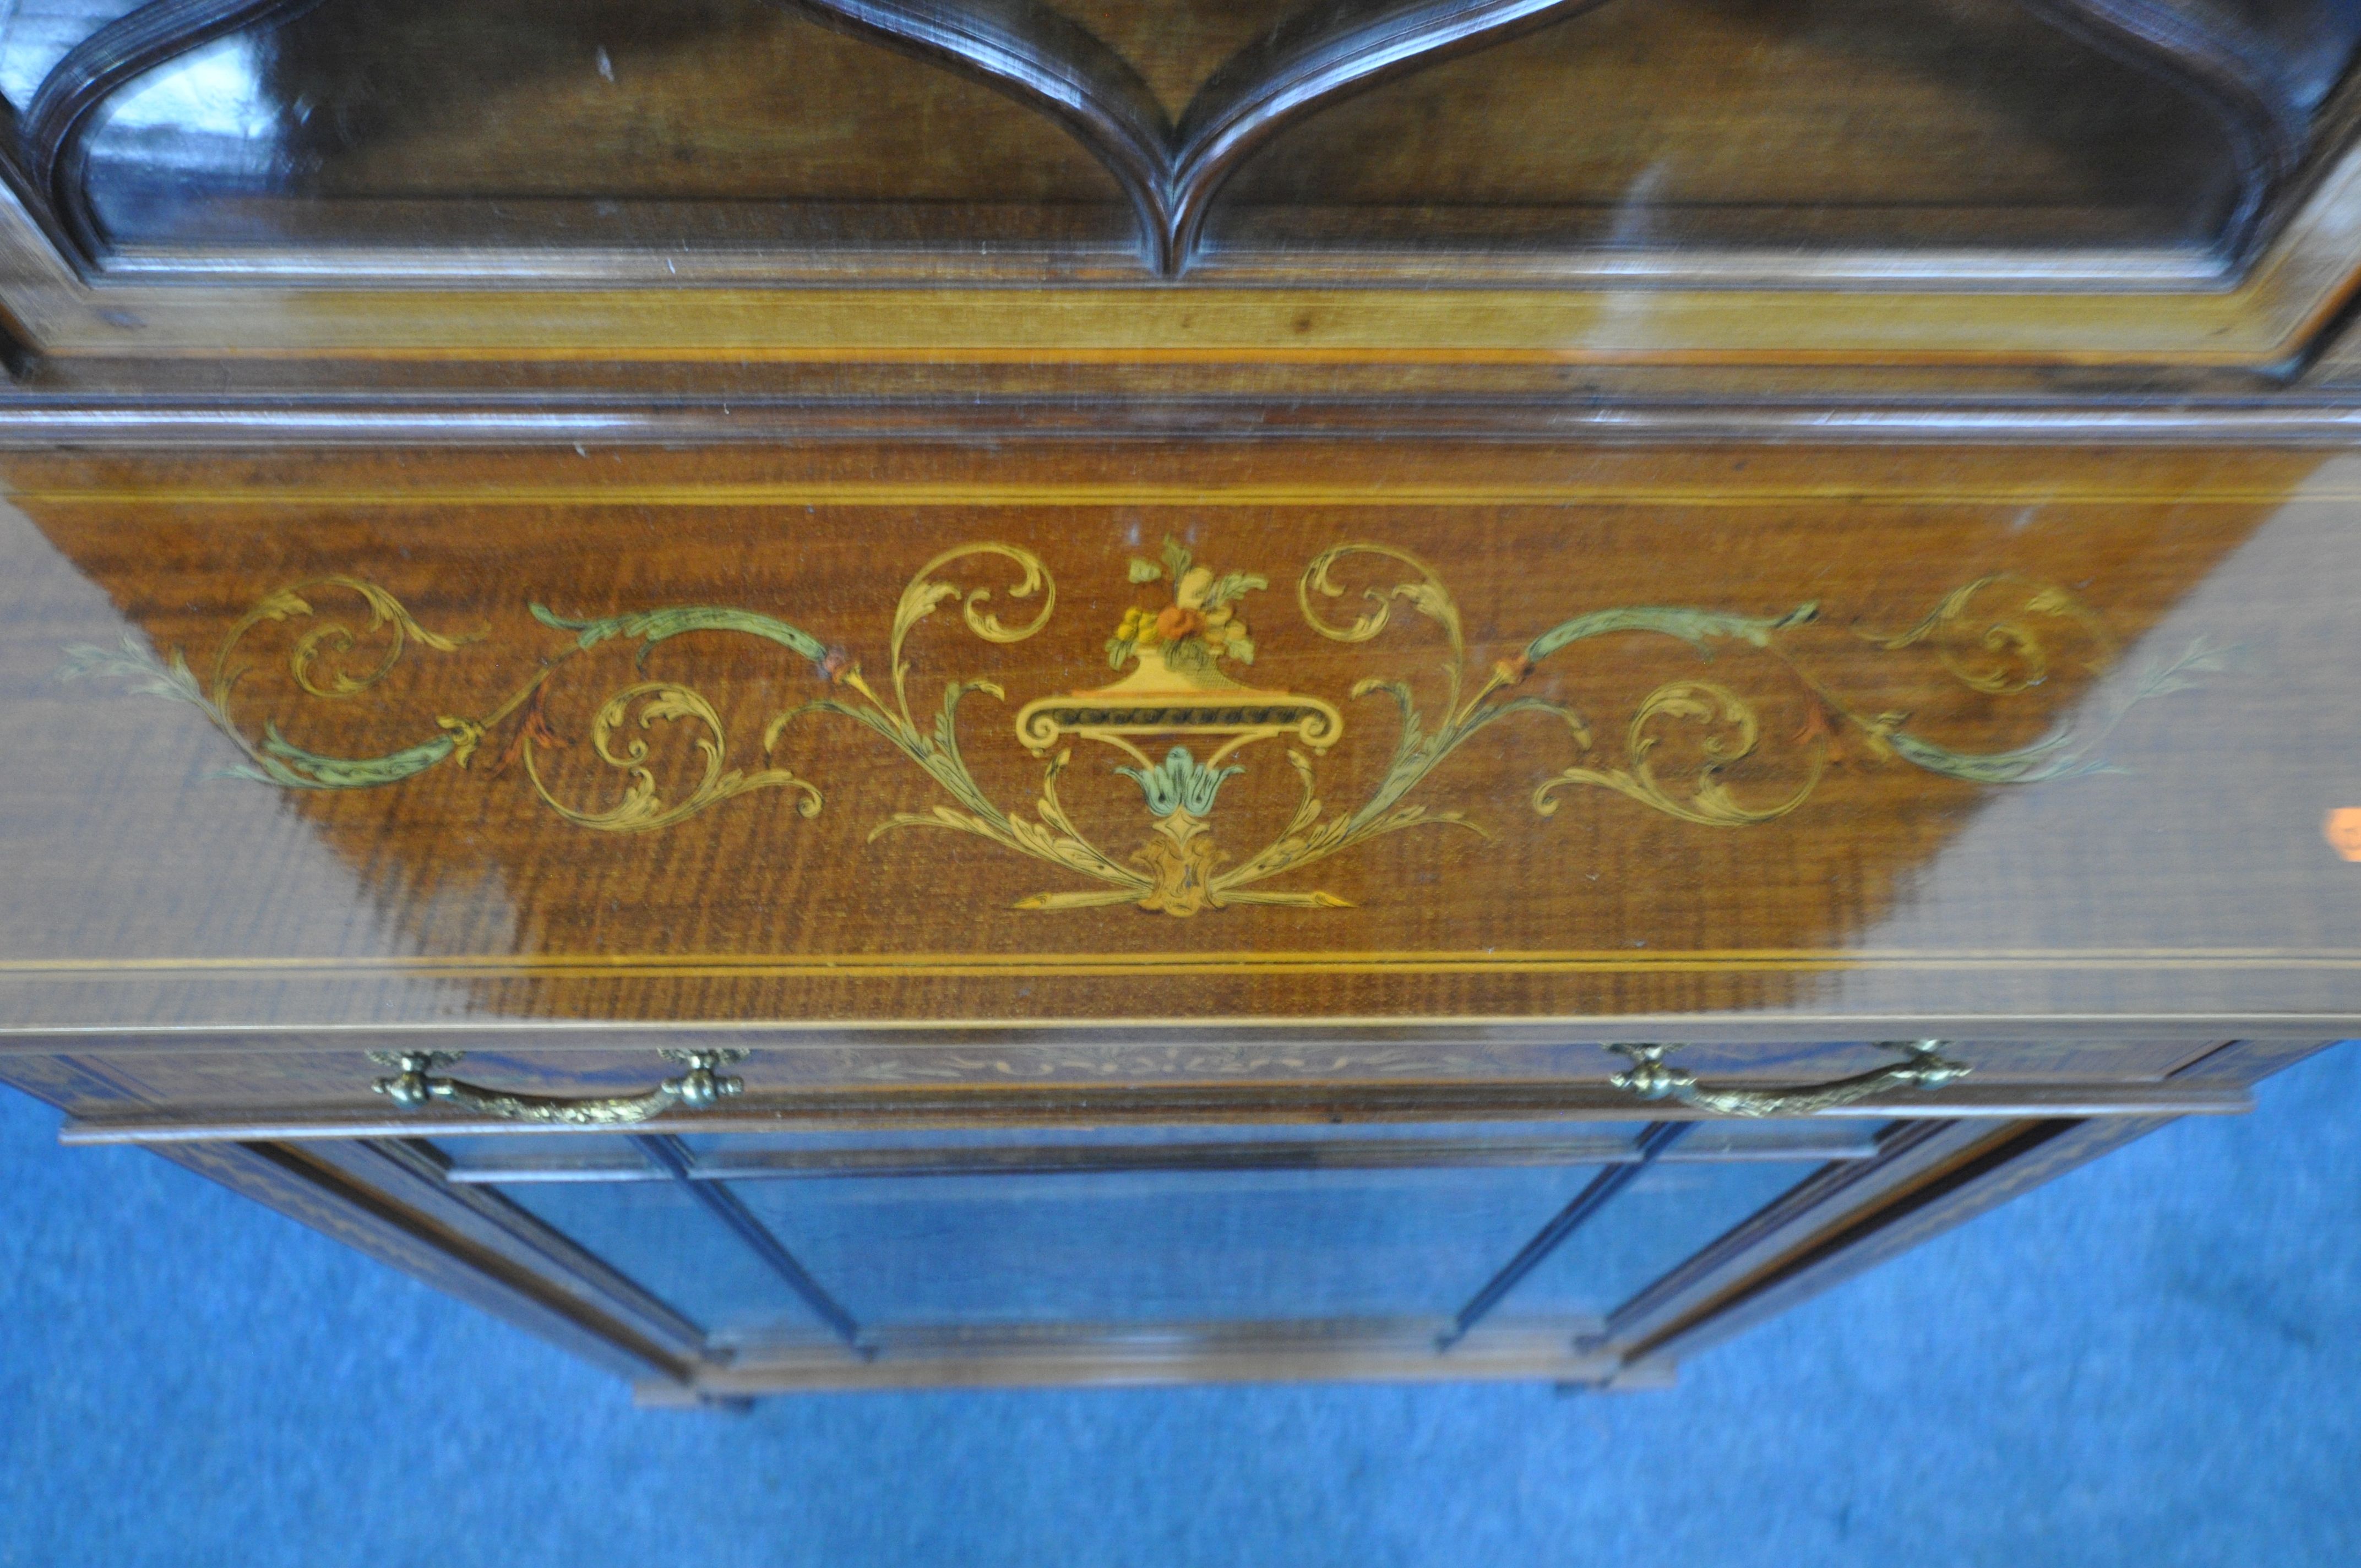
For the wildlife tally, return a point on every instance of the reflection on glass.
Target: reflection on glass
(730, 124)
(1160, 1246)
(1725, 123)
(36, 34)
(722, 125)
(209, 114)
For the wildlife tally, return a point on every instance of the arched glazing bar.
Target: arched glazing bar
(54, 131)
(1172, 171)
(2258, 71)
(2253, 90)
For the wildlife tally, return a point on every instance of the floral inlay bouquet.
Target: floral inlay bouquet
(1201, 625)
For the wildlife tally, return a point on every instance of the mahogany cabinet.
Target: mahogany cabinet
(893, 692)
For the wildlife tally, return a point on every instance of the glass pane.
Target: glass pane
(1728, 122)
(1161, 1246)
(959, 1228)
(660, 1237)
(711, 125)
(1668, 1212)
(36, 34)
(732, 128)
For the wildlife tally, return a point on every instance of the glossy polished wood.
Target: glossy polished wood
(1817, 536)
(2053, 224)
(2189, 895)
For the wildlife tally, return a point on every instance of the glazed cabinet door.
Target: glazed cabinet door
(1175, 1253)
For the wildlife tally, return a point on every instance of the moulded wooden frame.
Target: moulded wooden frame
(1170, 168)
(2255, 314)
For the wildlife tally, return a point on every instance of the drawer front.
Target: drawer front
(163, 1093)
(1501, 747)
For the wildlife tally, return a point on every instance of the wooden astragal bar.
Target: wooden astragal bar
(884, 695)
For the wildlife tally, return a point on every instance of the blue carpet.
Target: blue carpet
(2155, 1361)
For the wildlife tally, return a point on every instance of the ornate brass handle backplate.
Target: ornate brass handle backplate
(700, 1088)
(1923, 1067)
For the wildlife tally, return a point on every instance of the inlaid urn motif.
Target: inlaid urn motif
(1180, 714)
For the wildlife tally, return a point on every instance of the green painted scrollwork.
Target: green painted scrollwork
(274, 759)
(1679, 753)
(649, 628)
(1732, 734)
(314, 666)
(642, 808)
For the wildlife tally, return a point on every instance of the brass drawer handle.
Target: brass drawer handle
(1925, 1068)
(698, 1088)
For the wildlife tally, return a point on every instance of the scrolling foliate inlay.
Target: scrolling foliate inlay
(1181, 662)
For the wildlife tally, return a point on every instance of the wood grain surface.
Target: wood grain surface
(2176, 882)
